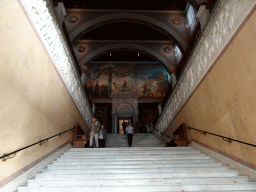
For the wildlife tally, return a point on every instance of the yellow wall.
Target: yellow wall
(34, 103)
(225, 102)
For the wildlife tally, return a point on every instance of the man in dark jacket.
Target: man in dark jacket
(124, 124)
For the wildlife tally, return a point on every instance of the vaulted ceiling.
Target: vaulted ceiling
(128, 30)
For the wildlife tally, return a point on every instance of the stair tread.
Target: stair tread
(147, 167)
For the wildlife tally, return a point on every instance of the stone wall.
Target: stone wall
(225, 102)
(34, 103)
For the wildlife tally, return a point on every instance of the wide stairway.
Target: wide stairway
(139, 140)
(137, 169)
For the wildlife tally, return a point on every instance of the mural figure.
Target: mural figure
(96, 91)
(124, 87)
(147, 91)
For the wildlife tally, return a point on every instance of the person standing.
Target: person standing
(129, 130)
(124, 124)
(102, 136)
(95, 130)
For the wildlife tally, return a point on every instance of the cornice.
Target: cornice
(125, 11)
(45, 23)
(225, 20)
(127, 41)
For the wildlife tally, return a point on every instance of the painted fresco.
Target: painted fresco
(146, 80)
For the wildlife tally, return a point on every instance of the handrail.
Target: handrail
(227, 138)
(4, 157)
(163, 133)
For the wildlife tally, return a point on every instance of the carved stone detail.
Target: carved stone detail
(225, 20)
(44, 20)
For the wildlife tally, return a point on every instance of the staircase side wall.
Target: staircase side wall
(225, 102)
(34, 103)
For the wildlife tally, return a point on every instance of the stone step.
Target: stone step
(151, 181)
(137, 162)
(75, 176)
(117, 166)
(126, 155)
(92, 170)
(170, 187)
(124, 158)
(133, 145)
(134, 149)
(133, 153)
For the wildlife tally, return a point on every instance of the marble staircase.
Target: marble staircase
(139, 140)
(137, 169)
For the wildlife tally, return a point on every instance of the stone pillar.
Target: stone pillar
(113, 123)
(83, 78)
(60, 12)
(173, 77)
(203, 15)
(93, 109)
(134, 120)
(116, 125)
(159, 109)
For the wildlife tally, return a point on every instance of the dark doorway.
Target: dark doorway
(148, 114)
(104, 114)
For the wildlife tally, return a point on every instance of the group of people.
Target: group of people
(129, 130)
(98, 132)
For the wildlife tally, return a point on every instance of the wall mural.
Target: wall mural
(146, 80)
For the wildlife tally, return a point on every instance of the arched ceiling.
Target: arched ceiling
(128, 21)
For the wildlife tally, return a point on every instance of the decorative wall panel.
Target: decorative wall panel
(225, 19)
(44, 21)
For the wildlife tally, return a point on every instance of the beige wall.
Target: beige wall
(225, 102)
(34, 103)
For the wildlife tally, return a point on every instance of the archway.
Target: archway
(133, 17)
(118, 46)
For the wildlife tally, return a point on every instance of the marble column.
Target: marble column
(93, 109)
(113, 123)
(203, 15)
(83, 78)
(173, 77)
(60, 12)
(159, 109)
(116, 125)
(134, 120)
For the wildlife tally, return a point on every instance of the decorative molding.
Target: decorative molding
(45, 22)
(32, 169)
(127, 41)
(225, 19)
(129, 101)
(178, 12)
